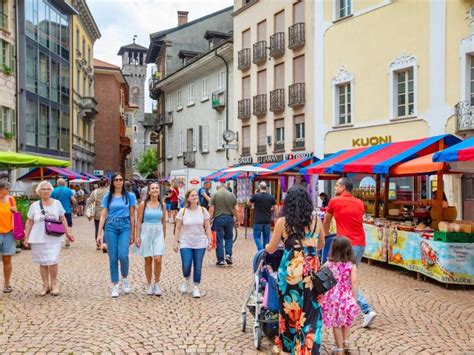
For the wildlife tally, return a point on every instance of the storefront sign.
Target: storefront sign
(275, 158)
(298, 155)
(246, 160)
(194, 182)
(369, 141)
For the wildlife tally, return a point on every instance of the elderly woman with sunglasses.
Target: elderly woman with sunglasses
(45, 248)
(118, 216)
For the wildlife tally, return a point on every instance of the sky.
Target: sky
(120, 20)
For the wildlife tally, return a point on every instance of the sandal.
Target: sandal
(44, 292)
(347, 346)
(7, 289)
(55, 292)
(336, 351)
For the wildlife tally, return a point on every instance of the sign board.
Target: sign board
(194, 182)
(98, 172)
(246, 160)
(231, 146)
(370, 141)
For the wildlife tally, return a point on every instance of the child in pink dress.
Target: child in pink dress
(340, 303)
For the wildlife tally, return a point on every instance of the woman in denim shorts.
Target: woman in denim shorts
(7, 243)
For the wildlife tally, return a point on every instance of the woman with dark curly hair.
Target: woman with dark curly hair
(300, 313)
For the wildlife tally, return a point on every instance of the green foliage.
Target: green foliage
(23, 205)
(8, 135)
(147, 162)
(6, 69)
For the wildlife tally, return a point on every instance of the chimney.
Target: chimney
(182, 17)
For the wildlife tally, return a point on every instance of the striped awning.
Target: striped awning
(51, 173)
(325, 165)
(463, 151)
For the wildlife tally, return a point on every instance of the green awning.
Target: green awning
(13, 160)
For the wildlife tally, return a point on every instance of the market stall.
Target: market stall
(52, 172)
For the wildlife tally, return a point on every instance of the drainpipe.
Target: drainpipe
(226, 96)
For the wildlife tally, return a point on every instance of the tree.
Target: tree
(147, 162)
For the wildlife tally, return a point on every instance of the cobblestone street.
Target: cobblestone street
(414, 317)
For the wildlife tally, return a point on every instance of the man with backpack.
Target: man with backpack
(205, 194)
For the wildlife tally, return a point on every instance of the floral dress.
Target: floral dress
(340, 309)
(300, 319)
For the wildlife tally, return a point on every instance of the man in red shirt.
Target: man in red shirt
(349, 213)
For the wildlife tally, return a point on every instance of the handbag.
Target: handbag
(18, 227)
(91, 207)
(52, 227)
(324, 279)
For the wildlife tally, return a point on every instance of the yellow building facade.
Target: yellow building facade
(393, 70)
(83, 105)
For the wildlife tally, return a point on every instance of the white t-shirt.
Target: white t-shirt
(37, 234)
(193, 234)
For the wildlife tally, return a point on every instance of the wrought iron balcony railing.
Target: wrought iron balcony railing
(260, 52)
(260, 104)
(245, 150)
(244, 59)
(218, 100)
(296, 35)
(165, 119)
(298, 143)
(277, 100)
(464, 112)
(279, 145)
(296, 95)
(277, 44)
(243, 110)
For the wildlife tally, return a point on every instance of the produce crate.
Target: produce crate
(453, 237)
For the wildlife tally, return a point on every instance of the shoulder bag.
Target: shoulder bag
(323, 280)
(52, 227)
(18, 228)
(91, 207)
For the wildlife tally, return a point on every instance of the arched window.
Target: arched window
(153, 138)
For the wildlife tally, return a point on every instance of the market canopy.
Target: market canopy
(460, 156)
(380, 158)
(14, 160)
(325, 165)
(421, 165)
(51, 172)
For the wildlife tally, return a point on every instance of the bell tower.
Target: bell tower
(134, 71)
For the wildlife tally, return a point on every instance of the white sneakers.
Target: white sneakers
(153, 290)
(368, 319)
(125, 286)
(149, 290)
(115, 291)
(184, 288)
(196, 292)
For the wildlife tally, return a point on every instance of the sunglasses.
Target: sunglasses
(118, 179)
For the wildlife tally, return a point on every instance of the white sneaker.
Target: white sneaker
(125, 286)
(157, 290)
(196, 292)
(368, 319)
(149, 290)
(115, 291)
(184, 288)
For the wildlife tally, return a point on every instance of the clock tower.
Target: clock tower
(134, 71)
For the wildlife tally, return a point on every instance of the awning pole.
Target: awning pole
(377, 196)
(385, 195)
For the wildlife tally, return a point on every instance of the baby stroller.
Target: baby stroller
(262, 299)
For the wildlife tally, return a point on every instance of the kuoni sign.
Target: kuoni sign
(194, 182)
(368, 141)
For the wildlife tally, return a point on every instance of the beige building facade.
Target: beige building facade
(394, 71)
(273, 80)
(8, 130)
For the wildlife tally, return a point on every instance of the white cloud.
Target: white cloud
(120, 20)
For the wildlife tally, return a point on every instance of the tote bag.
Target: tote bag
(18, 228)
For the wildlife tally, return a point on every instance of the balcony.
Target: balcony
(245, 150)
(298, 143)
(154, 91)
(189, 159)
(464, 112)
(277, 100)
(260, 52)
(296, 36)
(165, 119)
(260, 104)
(244, 59)
(261, 149)
(279, 146)
(296, 95)
(277, 44)
(88, 107)
(218, 100)
(243, 110)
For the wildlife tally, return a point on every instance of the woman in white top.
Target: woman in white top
(193, 236)
(45, 249)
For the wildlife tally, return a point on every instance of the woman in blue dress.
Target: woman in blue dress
(150, 236)
(300, 319)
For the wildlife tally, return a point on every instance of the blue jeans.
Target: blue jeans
(260, 230)
(224, 228)
(192, 257)
(361, 301)
(117, 237)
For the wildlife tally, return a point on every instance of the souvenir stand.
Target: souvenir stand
(395, 219)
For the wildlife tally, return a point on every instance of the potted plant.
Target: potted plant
(8, 135)
(6, 69)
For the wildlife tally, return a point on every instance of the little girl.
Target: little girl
(340, 303)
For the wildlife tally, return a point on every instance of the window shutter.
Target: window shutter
(204, 139)
(13, 122)
(194, 140)
(220, 132)
(12, 58)
(168, 146)
(200, 138)
(178, 143)
(2, 109)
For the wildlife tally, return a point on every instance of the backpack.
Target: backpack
(202, 200)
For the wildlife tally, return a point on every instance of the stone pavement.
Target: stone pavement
(414, 317)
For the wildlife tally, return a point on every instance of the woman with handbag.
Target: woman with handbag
(45, 230)
(303, 236)
(95, 201)
(7, 242)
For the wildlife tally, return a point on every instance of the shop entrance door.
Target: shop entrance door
(468, 196)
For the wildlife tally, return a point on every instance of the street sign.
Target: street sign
(98, 172)
(231, 146)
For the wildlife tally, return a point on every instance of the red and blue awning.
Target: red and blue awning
(325, 165)
(463, 151)
(51, 173)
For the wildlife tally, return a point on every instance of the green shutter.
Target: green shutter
(2, 109)
(13, 122)
(12, 57)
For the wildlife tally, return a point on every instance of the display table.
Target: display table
(451, 263)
